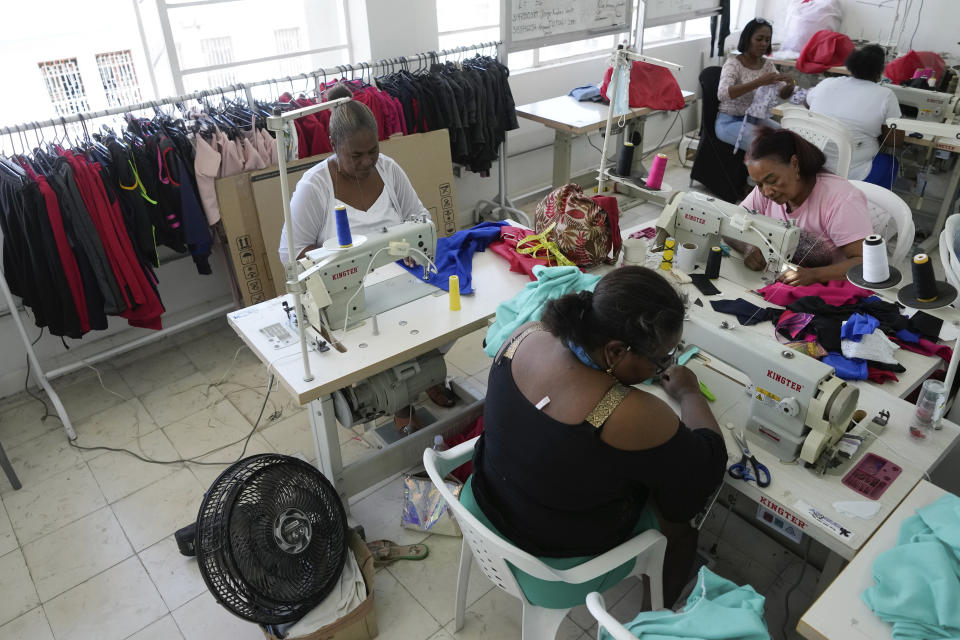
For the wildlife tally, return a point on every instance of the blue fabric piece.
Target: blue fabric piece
(455, 256)
(918, 581)
(846, 368)
(883, 171)
(908, 336)
(582, 355)
(857, 326)
(527, 306)
(587, 93)
(873, 298)
(717, 609)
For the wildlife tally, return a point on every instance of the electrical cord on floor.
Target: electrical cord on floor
(26, 386)
(664, 138)
(786, 596)
(195, 459)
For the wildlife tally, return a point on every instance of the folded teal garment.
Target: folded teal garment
(918, 581)
(527, 306)
(716, 610)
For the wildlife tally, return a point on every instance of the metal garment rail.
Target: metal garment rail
(43, 377)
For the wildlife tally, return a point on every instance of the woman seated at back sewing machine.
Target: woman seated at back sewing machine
(792, 185)
(573, 460)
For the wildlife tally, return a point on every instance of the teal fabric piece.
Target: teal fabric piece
(559, 595)
(527, 306)
(717, 609)
(918, 581)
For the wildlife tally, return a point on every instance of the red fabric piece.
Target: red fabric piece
(901, 69)
(506, 248)
(881, 375)
(67, 259)
(646, 232)
(650, 86)
(835, 292)
(825, 49)
(609, 204)
(926, 347)
(463, 472)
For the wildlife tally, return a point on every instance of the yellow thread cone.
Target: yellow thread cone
(454, 285)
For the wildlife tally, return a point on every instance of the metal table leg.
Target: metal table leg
(562, 149)
(326, 440)
(8, 469)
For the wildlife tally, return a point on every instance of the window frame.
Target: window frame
(173, 56)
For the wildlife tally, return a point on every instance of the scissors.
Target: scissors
(741, 471)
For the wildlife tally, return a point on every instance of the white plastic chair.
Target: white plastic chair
(821, 130)
(886, 205)
(951, 269)
(493, 553)
(598, 609)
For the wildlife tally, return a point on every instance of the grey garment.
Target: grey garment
(82, 233)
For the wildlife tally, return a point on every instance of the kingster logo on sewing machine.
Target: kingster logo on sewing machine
(782, 512)
(694, 218)
(343, 274)
(785, 381)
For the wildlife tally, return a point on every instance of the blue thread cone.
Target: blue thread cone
(344, 239)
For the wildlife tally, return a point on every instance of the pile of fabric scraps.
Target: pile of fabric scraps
(918, 581)
(844, 326)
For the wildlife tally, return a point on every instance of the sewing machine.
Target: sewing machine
(701, 219)
(334, 278)
(797, 405)
(931, 106)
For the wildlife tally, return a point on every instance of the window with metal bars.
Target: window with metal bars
(217, 51)
(288, 41)
(119, 78)
(65, 86)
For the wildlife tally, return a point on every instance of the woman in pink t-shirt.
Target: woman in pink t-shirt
(831, 212)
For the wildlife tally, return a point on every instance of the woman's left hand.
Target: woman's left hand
(799, 277)
(410, 262)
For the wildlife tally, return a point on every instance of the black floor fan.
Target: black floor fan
(270, 538)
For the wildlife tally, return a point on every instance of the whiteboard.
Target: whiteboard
(658, 12)
(539, 23)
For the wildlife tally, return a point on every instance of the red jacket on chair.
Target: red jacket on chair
(824, 50)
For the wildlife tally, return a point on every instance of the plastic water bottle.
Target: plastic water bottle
(438, 444)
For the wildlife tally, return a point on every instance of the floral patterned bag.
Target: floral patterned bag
(586, 230)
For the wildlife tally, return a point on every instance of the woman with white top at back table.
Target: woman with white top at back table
(863, 105)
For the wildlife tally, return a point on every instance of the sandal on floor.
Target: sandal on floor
(386, 552)
(442, 396)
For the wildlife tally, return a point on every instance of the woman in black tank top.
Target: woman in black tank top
(573, 461)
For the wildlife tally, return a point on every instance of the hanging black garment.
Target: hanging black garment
(722, 21)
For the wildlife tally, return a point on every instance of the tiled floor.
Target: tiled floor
(87, 548)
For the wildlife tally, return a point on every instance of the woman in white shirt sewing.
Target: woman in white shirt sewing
(741, 76)
(374, 189)
(863, 105)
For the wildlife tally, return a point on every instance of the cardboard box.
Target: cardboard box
(253, 215)
(248, 253)
(425, 157)
(361, 623)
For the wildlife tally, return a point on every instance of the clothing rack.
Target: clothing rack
(43, 377)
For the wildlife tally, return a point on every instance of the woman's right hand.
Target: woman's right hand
(677, 381)
(772, 77)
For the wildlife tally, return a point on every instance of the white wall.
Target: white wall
(935, 31)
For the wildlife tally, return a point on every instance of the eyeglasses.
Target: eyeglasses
(665, 362)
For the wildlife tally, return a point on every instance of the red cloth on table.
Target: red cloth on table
(463, 472)
(881, 375)
(835, 292)
(926, 347)
(825, 49)
(506, 247)
(651, 86)
(901, 69)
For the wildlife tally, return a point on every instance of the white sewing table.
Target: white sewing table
(840, 613)
(404, 333)
(570, 118)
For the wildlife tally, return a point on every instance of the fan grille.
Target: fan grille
(271, 538)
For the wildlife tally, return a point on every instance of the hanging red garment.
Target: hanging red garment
(901, 69)
(67, 259)
(651, 86)
(825, 49)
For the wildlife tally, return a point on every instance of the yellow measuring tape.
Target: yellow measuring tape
(539, 243)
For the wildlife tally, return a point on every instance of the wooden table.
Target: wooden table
(840, 613)
(570, 118)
